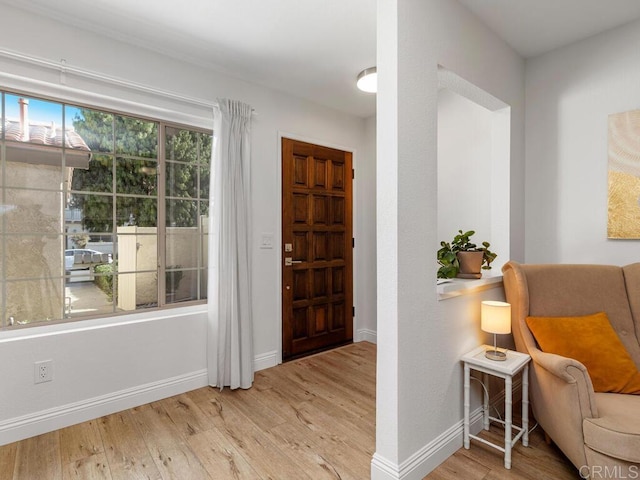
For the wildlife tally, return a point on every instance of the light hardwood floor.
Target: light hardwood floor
(312, 418)
(538, 461)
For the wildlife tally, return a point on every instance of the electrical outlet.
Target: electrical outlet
(43, 371)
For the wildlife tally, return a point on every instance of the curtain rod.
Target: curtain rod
(63, 68)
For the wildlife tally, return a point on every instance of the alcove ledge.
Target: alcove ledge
(455, 287)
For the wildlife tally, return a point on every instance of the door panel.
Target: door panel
(317, 288)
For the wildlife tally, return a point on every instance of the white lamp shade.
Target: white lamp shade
(368, 80)
(495, 317)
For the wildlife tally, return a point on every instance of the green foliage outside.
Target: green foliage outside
(80, 239)
(129, 147)
(105, 280)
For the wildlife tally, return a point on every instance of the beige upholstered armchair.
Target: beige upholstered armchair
(598, 432)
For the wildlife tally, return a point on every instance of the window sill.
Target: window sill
(459, 286)
(44, 329)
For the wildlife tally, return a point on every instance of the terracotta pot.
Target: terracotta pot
(470, 264)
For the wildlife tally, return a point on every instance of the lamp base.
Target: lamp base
(495, 355)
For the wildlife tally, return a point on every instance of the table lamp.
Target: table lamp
(495, 317)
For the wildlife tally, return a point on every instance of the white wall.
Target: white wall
(126, 358)
(570, 93)
(419, 394)
(464, 167)
(365, 225)
(98, 368)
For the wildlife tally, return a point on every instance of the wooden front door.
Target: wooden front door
(317, 269)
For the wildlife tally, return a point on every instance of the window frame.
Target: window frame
(161, 224)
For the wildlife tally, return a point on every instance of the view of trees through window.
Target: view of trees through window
(89, 199)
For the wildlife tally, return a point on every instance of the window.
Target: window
(88, 199)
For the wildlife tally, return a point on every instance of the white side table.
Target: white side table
(514, 363)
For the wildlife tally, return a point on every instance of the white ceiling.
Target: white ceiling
(533, 27)
(313, 49)
(308, 48)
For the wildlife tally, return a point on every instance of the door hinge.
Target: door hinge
(353, 311)
(353, 243)
(353, 173)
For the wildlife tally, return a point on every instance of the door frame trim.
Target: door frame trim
(278, 236)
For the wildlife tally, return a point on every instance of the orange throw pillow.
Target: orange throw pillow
(591, 340)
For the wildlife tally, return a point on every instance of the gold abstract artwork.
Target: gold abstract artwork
(624, 175)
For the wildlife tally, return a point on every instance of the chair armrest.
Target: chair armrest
(572, 372)
(562, 397)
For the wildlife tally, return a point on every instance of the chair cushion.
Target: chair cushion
(616, 431)
(591, 340)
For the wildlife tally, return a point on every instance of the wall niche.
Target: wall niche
(474, 144)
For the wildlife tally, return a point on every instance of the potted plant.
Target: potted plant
(462, 258)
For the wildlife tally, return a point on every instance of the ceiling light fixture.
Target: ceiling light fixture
(368, 80)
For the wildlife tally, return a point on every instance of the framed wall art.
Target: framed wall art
(624, 175)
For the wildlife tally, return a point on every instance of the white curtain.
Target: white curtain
(230, 329)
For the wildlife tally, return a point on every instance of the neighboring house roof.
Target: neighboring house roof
(41, 134)
(36, 149)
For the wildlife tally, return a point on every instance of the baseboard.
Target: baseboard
(44, 421)
(265, 360)
(19, 428)
(418, 465)
(366, 335)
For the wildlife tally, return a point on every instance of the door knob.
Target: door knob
(288, 261)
